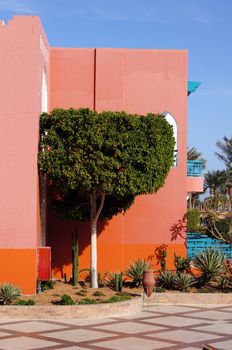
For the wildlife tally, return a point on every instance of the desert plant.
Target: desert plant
(181, 264)
(86, 301)
(45, 285)
(166, 279)
(82, 293)
(183, 281)
(210, 263)
(102, 280)
(8, 293)
(66, 300)
(115, 280)
(98, 294)
(25, 302)
(118, 298)
(136, 269)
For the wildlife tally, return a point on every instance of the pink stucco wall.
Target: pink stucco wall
(195, 184)
(137, 81)
(22, 60)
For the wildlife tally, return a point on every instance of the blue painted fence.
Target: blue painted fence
(197, 242)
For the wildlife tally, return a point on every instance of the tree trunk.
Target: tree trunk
(94, 215)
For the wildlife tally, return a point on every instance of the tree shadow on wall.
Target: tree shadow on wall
(178, 230)
(59, 238)
(158, 255)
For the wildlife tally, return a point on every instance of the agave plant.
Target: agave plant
(136, 269)
(210, 263)
(183, 281)
(8, 293)
(166, 279)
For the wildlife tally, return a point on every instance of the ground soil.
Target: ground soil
(53, 295)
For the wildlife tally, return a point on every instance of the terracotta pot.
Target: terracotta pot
(148, 282)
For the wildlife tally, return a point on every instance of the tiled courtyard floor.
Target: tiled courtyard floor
(159, 327)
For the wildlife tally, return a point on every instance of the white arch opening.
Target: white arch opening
(172, 121)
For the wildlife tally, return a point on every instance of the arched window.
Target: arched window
(44, 107)
(171, 120)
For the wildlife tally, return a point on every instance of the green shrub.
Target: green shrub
(181, 264)
(66, 300)
(98, 294)
(87, 301)
(166, 279)
(25, 302)
(136, 269)
(193, 220)
(82, 293)
(183, 281)
(160, 290)
(8, 293)
(45, 285)
(118, 298)
(210, 263)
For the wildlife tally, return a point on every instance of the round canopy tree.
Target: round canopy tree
(98, 163)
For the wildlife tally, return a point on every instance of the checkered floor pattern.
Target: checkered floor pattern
(168, 327)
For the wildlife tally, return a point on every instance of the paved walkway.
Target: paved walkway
(168, 327)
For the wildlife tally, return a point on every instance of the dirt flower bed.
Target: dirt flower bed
(79, 294)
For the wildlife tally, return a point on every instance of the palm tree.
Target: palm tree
(215, 181)
(225, 147)
(194, 154)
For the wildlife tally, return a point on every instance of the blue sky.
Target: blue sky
(204, 27)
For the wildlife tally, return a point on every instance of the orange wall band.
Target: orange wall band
(18, 266)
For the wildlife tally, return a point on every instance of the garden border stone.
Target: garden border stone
(111, 309)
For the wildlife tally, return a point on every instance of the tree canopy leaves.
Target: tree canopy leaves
(114, 153)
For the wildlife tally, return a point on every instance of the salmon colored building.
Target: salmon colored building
(35, 78)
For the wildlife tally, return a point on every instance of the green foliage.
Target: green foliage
(181, 264)
(45, 285)
(118, 281)
(166, 279)
(136, 269)
(118, 298)
(66, 300)
(87, 301)
(193, 220)
(225, 147)
(183, 281)
(115, 280)
(82, 293)
(25, 302)
(98, 294)
(102, 280)
(194, 154)
(8, 293)
(160, 289)
(114, 153)
(210, 263)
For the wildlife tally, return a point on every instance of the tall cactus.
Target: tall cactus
(118, 281)
(75, 252)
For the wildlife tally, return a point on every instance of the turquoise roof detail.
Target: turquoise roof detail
(193, 86)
